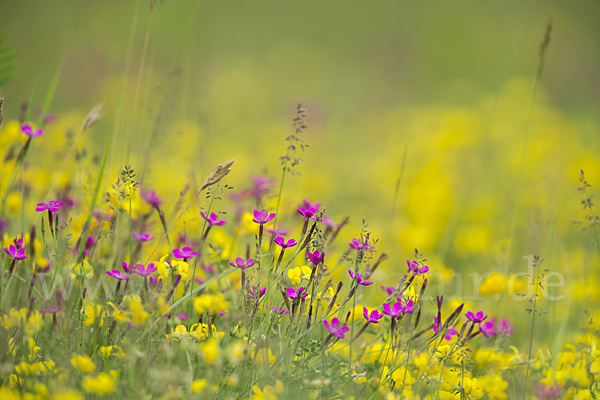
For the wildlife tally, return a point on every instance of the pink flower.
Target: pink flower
(254, 291)
(115, 273)
(184, 252)
(315, 257)
(388, 289)
(374, 317)
(262, 217)
(333, 328)
(49, 310)
(280, 310)
(315, 206)
(145, 270)
(28, 130)
(358, 279)
(276, 231)
(281, 241)
(151, 198)
(329, 222)
(437, 327)
(506, 328)
(307, 212)
(476, 318)
(358, 245)
(398, 308)
(488, 328)
(241, 264)
(293, 294)
(212, 219)
(16, 253)
(51, 206)
(416, 268)
(142, 237)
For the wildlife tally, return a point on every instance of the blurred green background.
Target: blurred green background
(491, 164)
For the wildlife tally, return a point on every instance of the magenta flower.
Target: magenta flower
(488, 328)
(358, 245)
(262, 217)
(398, 308)
(416, 268)
(333, 328)
(154, 281)
(115, 273)
(142, 237)
(476, 318)
(28, 130)
(316, 258)
(315, 206)
(329, 222)
(281, 241)
(15, 252)
(276, 231)
(129, 267)
(145, 270)
(213, 219)
(49, 310)
(182, 316)
(241, 264)
(184, 252)
(151, 198)
(307, 212)
(257, 293)
(388, 289)
(293, 294)
(280, 310)
(374, 317)
(51, 206)
(437, 327)
(358, 279)
(506, 328)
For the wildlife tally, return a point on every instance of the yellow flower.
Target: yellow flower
(119, 315)
(211, 302)
(198, 385)
(298, 273)
(105, 351)
(34, 323)
(139, 315)
(210, 350)
(494, 386)
(101, 384)
(83, 363)
(493, 284)
(182, 269)
(92, 311)
(399, 376)
(267, 393)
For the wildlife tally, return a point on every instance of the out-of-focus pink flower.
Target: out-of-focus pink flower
(28, 130)
(212, 219)
(142, 237)
(115, 273)
(262, 217)
(16, 253)
(142, 270)
(184, 252)
(241, 264)
(438, 327)
(151, 198)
